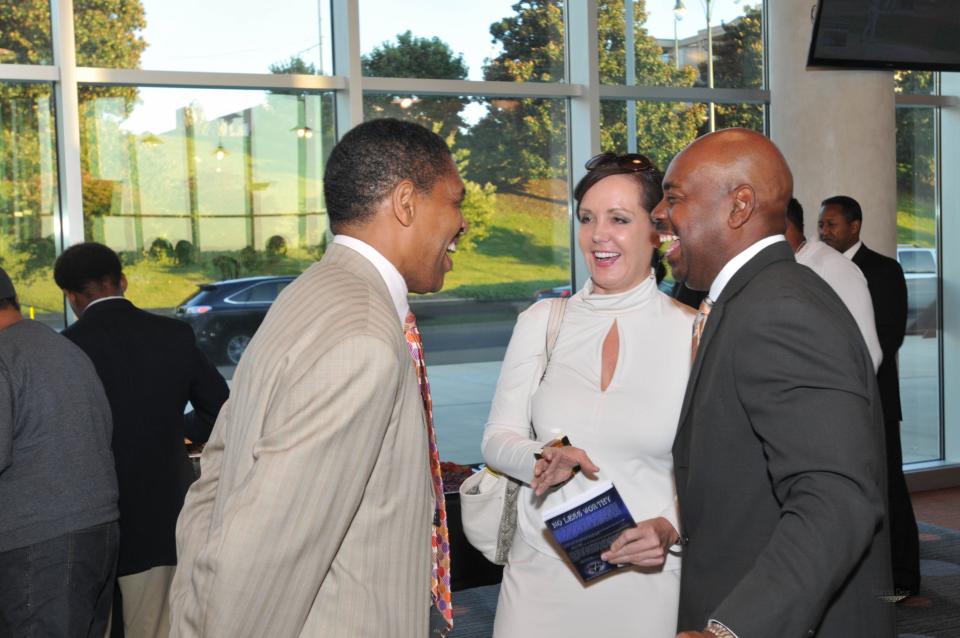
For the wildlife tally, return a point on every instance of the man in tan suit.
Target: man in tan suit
(313, 512)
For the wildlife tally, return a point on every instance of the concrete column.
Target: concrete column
(836, 128)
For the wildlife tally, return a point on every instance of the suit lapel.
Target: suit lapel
(779, 251)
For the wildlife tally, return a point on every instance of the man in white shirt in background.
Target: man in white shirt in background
(842, 275)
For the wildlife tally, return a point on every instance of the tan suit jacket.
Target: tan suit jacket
(312, 514)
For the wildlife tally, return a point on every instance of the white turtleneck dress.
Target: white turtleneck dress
(627, 430)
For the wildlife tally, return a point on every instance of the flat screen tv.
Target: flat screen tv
(887, 34)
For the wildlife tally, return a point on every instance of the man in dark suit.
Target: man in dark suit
(839, 223)
(150, 368)
(779, 454)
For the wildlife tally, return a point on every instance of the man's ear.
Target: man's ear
(123, 283)
(855, 227)
(402, 202)
(744, 203)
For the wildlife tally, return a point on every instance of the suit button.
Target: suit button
(685, 540)
(811, 632)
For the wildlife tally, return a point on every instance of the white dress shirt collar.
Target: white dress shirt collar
(731, 267)
(96, 301)
(396, 284)
(850, 252)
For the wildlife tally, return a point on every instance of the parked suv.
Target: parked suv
(224, 315)
(920, 270)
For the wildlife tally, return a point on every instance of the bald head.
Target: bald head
(724, 192)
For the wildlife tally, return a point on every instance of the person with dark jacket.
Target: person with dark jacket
(58, 489)
(839, 222)
(150, 368)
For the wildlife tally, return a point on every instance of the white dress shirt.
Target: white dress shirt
(731, 267)
(396, 284)
(850, 252)
(850, 285)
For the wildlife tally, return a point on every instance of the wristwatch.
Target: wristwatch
(720, 630)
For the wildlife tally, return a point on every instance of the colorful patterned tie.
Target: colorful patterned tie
(698, 325)
(440, 541)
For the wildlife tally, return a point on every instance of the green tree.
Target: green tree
(916, 162)
(523, 139)
(413, 57)
(738, 63)
(107, 35)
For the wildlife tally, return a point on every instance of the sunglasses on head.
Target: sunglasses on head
(629, 161)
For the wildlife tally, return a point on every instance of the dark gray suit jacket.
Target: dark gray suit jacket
(780, 464)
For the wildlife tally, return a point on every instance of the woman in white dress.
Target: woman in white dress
(614, 386)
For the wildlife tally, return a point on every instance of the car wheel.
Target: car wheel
(234, 346)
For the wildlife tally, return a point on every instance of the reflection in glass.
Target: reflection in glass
(673, 45)
(29, 207)
(25, 32)
(511, 155)
(194, 186)
(453, 40)
(917, 252)
(227, 36)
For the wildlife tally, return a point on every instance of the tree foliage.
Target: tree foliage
(107, 35)
(523, 139)
(413, 57)
(916, 161)
(738, 63)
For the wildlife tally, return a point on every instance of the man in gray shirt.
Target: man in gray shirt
(58, 486)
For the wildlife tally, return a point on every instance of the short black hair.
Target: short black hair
(651, 187)
(848, 206)
(84, 264)
(10, 302)
(795, 213)
(372, 158)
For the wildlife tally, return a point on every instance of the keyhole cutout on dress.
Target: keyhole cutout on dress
(610, 352)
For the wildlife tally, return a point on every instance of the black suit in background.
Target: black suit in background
(780, 464)
(888, 291)
(150, 368)
(688, 296)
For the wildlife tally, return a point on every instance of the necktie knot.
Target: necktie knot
(699, 324)
(705, 306)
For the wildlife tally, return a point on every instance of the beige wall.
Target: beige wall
(836, 128)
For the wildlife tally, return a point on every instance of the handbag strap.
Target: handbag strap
(558, 307)
(508, 515)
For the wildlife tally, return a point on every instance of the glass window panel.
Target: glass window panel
(663, 129)
(917, 251)
(25, 32)
(227, 36)
(491, 40)
(29, 206)
(922, 82)
(511, 154)
(197, 186)
(672, 46)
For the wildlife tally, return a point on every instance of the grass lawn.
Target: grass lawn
(916, 230)
(526, 249)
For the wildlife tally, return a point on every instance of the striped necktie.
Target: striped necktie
(698, 325)
(440, 537)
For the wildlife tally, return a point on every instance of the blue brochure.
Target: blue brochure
(586, 526)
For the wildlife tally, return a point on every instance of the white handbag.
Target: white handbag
(488, 499)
